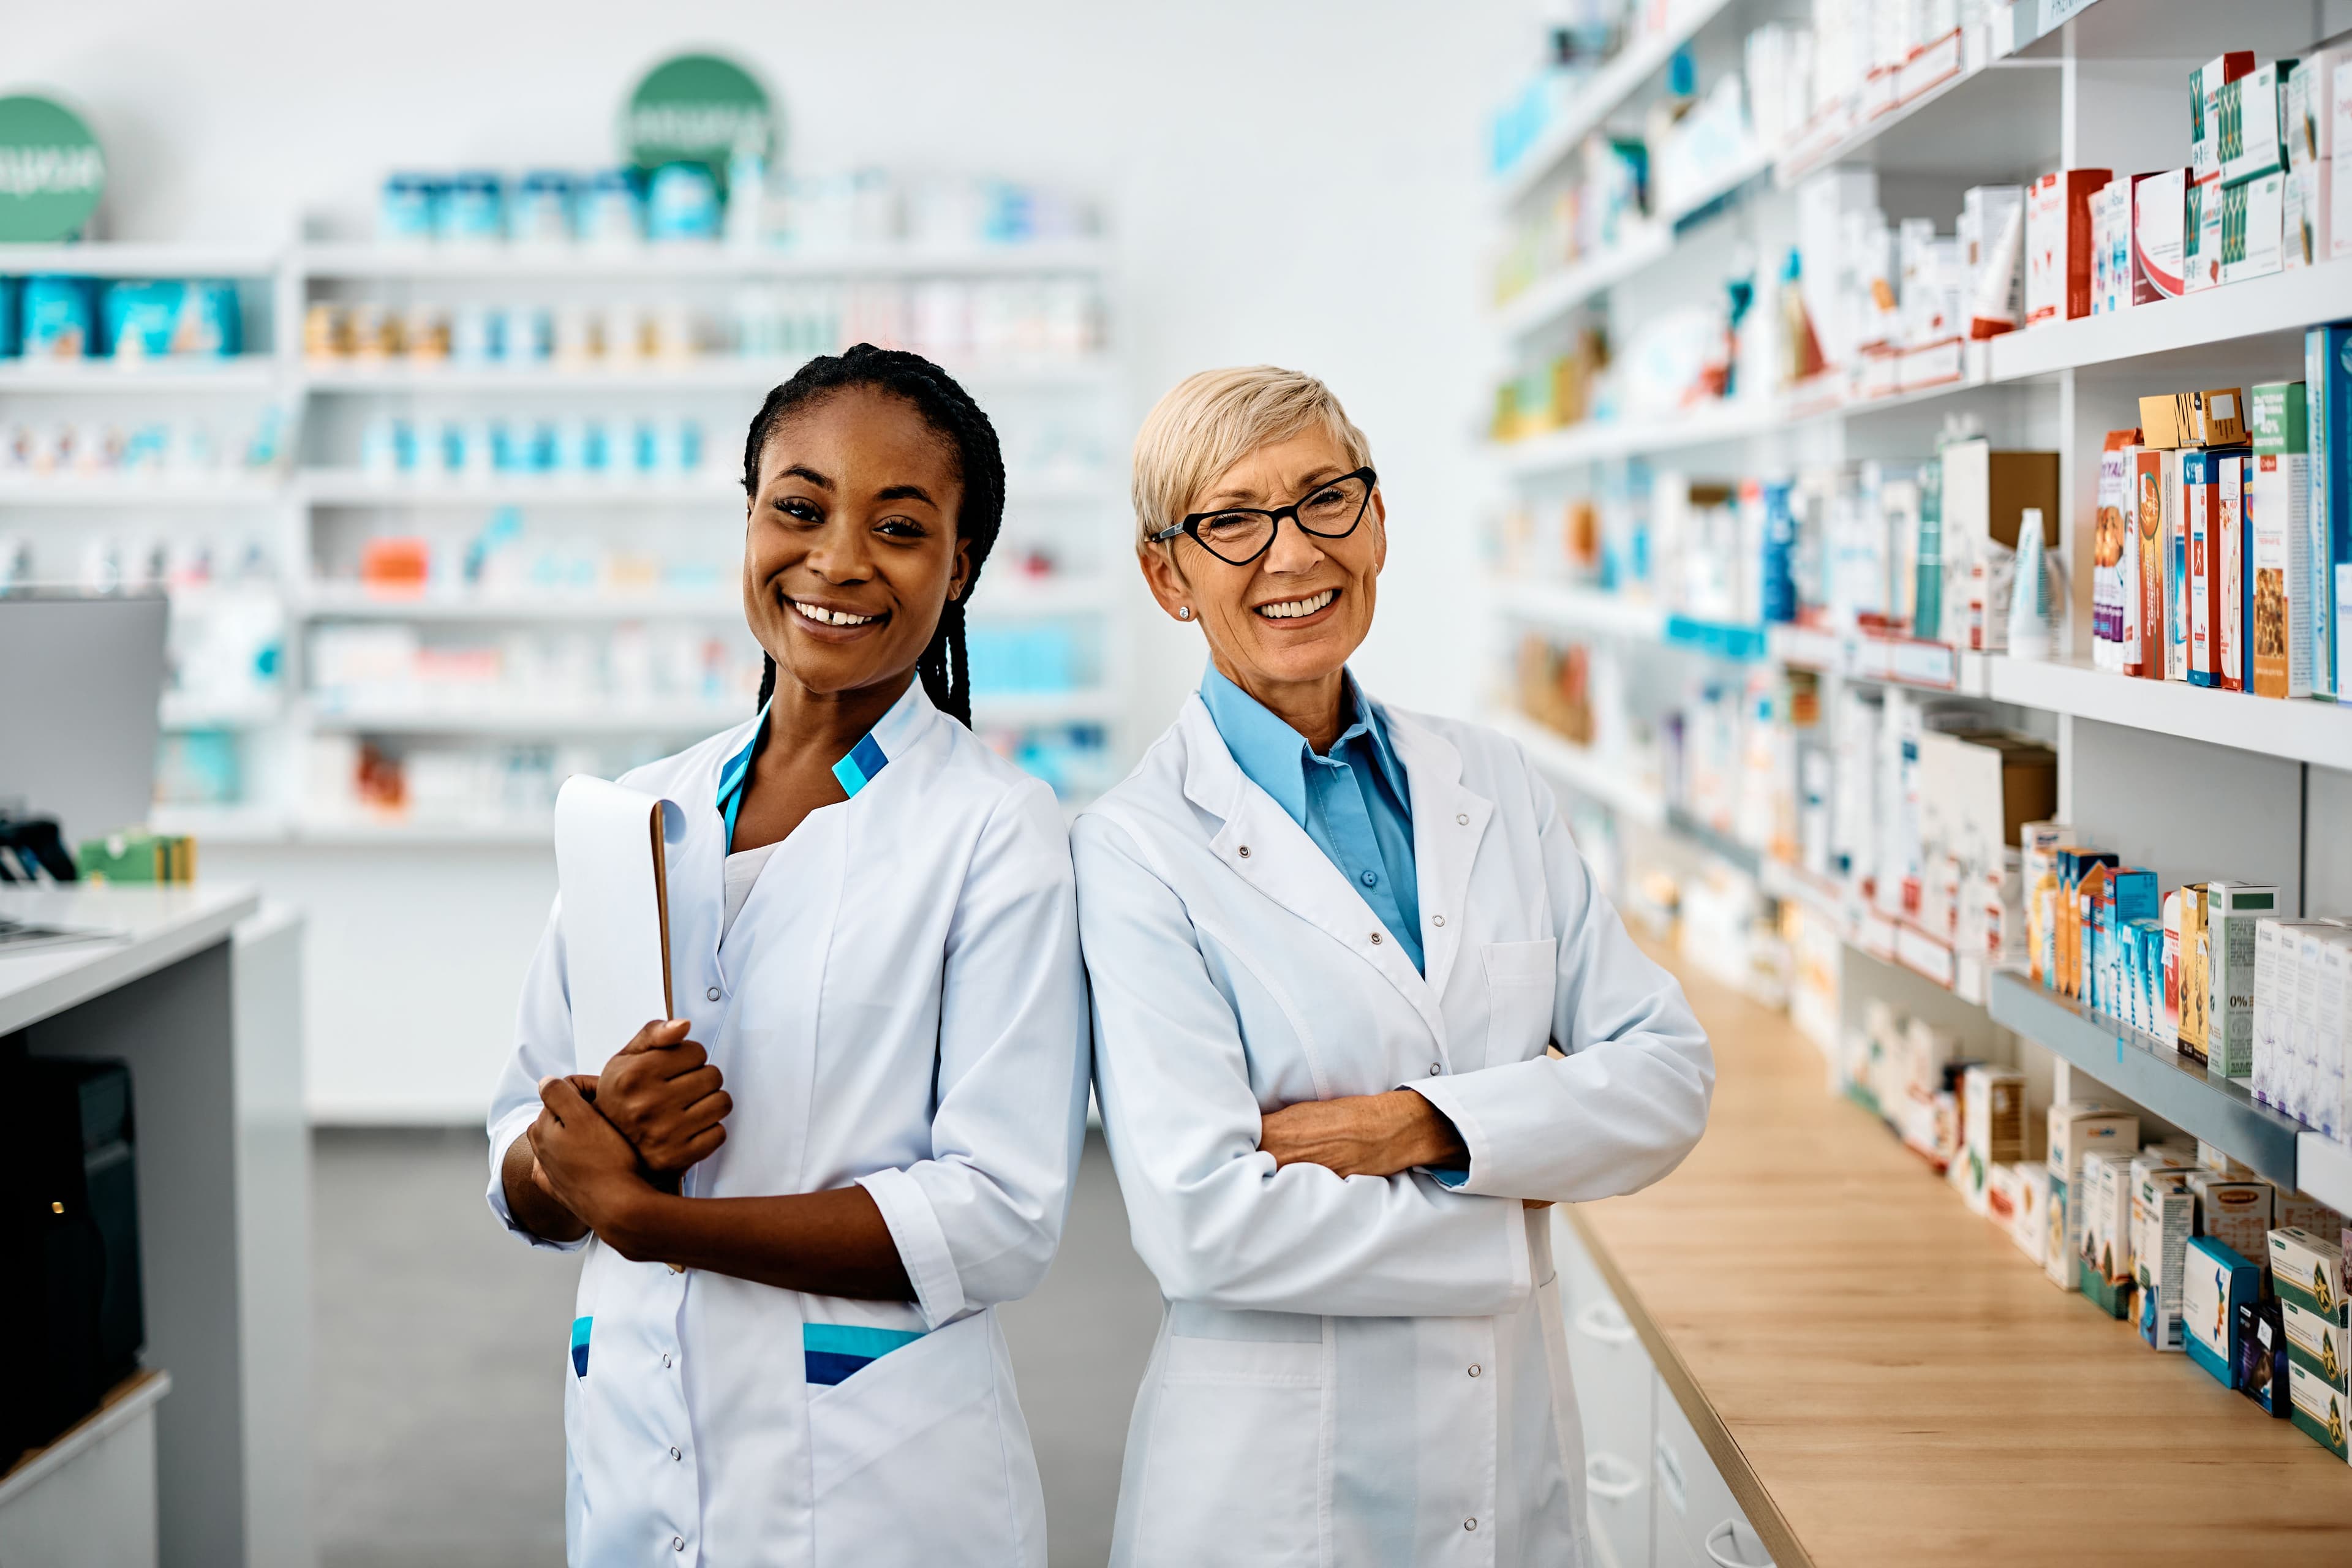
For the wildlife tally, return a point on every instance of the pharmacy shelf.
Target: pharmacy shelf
(2306, 732)
(1715, 842)
(206, 825)
(1020, 709)
(2323, 1169)
(2261, 314)
(356, 602)
(1627, 71)
(2145, 1068)
(141, 490)
(2002, 115)
(1578, 608)
(1882, 661)
(1580, 770)
(683, 717)
(1553, 297)
(167, 377)
(134, 260)
(498, 263)
(713, 372)
(353, 486)
(1597, 441)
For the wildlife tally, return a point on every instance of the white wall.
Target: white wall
(1290, 181)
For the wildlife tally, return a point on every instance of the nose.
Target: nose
(1292, 551)
(841, 553)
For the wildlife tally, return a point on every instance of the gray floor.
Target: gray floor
(439, 1431)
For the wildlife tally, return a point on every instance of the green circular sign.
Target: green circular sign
(697, 109)
(51, 171)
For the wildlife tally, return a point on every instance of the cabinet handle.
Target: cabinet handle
(1607, 1488)
(1727, 1555)
(1605, 1322)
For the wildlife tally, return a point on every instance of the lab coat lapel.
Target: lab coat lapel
(1273, 854)
(1448, 822)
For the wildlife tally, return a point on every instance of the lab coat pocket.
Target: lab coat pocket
(908, 1464)
(1521, 976)
(1237, 1470)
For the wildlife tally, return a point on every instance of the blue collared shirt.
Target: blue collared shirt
(1353, 802)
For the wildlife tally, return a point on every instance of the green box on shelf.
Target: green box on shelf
(2113, 1297)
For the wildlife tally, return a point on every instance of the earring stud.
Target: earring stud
(1183, 612)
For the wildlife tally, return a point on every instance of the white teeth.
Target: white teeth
(824, 617)
(1292, 609)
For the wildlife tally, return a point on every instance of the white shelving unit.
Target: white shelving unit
(2189, 781)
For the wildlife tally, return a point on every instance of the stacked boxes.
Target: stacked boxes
(2078, 1130)
(2306, 1275)
(2218, 1285)
(2163, 1213)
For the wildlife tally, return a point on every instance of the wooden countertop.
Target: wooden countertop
(1883, 1377)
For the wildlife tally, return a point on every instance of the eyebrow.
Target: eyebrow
(1314, 477)
(803, 471)
(905, 492)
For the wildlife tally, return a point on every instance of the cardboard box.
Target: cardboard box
(2279, 541)
(2253, 228)
(2307, 1271)
(2338, 225)
(2038, 844)
(2235, 1211)
(2318, 1407)
(2111, 248)
(2195, 984)
(2262, 1356)
(2028, 1223)
(2176, 567)
(2327, 1046)
(2327, 395)
(1992, 1128)
(2164, 1214)
(2200, 236)
(2058, 244)
(2249, 132)
(2309, 1097)
(2229, 667)
(2110, 547)
(2316, 1341)
(2104, 1265)
(2231, 911)
(2159, 203)
(2205, 84)
(2220, 417)
(2143, 656)
(2077, 1129)
(2295, 1211)
(2217, 1284)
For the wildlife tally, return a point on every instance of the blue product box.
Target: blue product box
(2261, 1358)
(682, 203)
(541, 213)
(609, 212)
(2327, 403)
(11, 328)
(472, 210)
(59, 322)
(2215, 1283)
(405, 208)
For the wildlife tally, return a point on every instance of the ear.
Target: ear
(1380, 531)
(1165, 581)
(961, 574)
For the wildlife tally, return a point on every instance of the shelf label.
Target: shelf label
(1924, 664)
(51, 171)
(1931, 64)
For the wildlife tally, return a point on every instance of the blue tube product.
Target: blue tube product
(1780, 554)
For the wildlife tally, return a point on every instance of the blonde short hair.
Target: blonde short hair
(1213, 419)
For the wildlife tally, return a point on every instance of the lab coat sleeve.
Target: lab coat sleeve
(1211, 1216)
(542, 1049)
(977, 1221)
(1627, 1100)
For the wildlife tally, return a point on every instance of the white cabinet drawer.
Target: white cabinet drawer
(1695, 1520)
(1617, 1495)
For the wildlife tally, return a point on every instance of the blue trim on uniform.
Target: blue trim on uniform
(580, 1327)
(833, 1351)
(854, 771)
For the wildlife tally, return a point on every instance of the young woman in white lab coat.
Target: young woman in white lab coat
(786, 1349)
(1329, 942)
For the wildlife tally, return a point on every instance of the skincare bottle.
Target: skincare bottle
(2030, 596)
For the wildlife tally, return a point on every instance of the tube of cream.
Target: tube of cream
(2029, 596)
(1995, 309)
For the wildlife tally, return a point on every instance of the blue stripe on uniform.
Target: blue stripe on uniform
(580, 1327)
(857, 770)
(854, 770)
(831, 1351)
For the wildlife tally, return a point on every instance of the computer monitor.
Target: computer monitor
(82, 677)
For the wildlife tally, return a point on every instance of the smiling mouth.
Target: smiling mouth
(1296, 609)
(820, 616)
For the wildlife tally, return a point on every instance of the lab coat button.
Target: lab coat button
(1437, 920)
(1463, 817)
(711, 995)
(1435, 1068)
(675, 1455)
(1473, 1372)
(678, 1543)
(1469, 1524)
(1376, 939)
(664, 1361)
(1244, 851)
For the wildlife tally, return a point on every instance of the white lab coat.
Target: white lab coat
(899, 1004)
(1370, 1371)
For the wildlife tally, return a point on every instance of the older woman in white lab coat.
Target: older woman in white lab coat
(1329, 942)
(786, 1350)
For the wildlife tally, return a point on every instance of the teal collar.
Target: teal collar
(1274, 754)
(854, 770)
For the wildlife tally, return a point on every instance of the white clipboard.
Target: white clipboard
(615, 904)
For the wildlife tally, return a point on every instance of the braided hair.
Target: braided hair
(949, 410)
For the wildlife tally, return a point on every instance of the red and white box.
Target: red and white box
(2058, 244)
(2158, 201)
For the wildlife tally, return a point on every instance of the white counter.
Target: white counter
(159, 927)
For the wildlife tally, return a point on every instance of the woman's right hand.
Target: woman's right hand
(664, 1096)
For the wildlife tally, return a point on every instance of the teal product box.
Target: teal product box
(10, 326)
(2217, 1284)
(57, 320)
(152, 317)
(2327, 400)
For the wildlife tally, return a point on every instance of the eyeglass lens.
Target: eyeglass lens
(1332, 511)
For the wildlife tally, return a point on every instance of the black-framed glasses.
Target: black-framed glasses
(1238, 535)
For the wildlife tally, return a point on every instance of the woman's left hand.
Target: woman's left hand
(1361, 1134)
(586, 1164)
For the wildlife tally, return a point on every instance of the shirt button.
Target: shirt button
(1244, 851)
(1438, 920)
(1376, 939)
(1469, 1524)
(678, 1543)
(675, 1455)
(1463, 817)
(1371, 878)
(1473, 1372)
(664, 1361)
(1435, 1068)
(711, 995)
